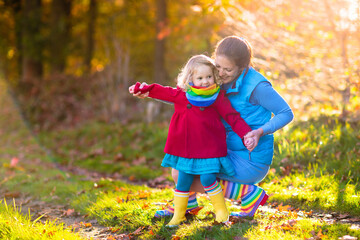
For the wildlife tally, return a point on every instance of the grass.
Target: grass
(135, 150)
(14, 225)
(316, 167)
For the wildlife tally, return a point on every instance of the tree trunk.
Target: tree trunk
(345, 62)
(153, 108)
(60, 32)
(32, 45)
(90, 35)
(159, 60)
(16, 9)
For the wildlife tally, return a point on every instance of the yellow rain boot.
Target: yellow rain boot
(180, 205)
(218, 202)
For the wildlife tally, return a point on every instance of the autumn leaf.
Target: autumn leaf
(85, 224)
(321, 235)
(119, 200)
(196, 210)
(282, 208)
(175, 237)
(138, 231)
(69, 212)
(12, 195)
(139, 161)
(118, 157)
(145, 206)
(151, 232)
(143, 195)
(14, 161)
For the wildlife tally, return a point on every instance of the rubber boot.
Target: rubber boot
(180, 205)
(221, 212)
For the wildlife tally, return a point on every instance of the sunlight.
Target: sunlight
(351, 13)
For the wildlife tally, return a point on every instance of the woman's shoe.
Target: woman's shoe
(170, 211)
(251, 202)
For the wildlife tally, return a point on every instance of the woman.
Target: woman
(251, 94)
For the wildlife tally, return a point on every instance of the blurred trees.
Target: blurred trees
(310, 49)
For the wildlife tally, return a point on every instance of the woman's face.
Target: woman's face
(228, 71)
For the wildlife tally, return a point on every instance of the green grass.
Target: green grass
(316, 167)
(14, 225)
(134, 150)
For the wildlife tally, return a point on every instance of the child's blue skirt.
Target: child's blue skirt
(198, 166)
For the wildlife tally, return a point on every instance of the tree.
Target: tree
(59, 34)
(32, 45)
(92, 14)
(161, 34)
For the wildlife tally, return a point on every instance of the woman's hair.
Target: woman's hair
(236, 49)
(186, 74)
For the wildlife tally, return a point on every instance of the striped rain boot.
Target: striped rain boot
(251, 197)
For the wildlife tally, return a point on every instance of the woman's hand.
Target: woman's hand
(251, 139)
(138, 94)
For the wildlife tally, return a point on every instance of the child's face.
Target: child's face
(203, 76)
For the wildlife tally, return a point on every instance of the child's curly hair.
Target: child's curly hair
(186, 74)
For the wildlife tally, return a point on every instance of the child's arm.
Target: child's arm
(138, 94)
(156, 91)
(231, 116)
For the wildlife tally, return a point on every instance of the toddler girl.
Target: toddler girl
(196, 143)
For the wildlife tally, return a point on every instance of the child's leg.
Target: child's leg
(181, 197)
(213, 189)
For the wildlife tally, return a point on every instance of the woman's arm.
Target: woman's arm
(266, 96)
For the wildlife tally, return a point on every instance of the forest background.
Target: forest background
(71, 61)
(72, 135)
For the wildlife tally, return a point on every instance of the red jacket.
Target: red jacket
(197, 132)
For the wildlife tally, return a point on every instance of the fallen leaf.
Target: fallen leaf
(118, 157)
(175, 237)
(151, 232)
(12, 195)
(139, 161)
(14, 161)
(138, 231)
(69, 212)
(85, 224)
(283, 208)
(143, 194)
(196, 210)
(321, 235)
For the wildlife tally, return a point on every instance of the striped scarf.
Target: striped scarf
(203, 96)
